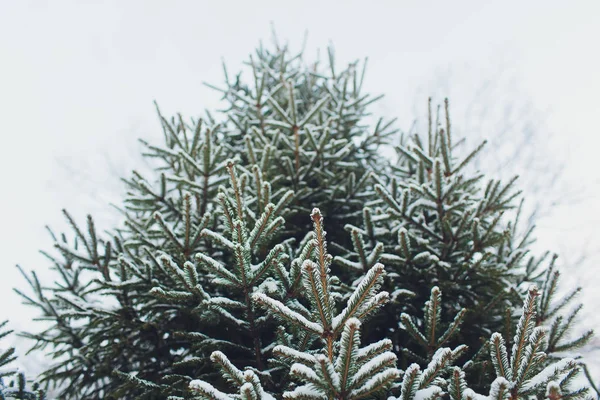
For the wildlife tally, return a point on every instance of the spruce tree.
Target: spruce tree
(223, 281)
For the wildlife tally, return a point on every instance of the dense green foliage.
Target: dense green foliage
(224, 277)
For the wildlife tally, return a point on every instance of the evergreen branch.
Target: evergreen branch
(469, 158)
(317, 293)
(500, 389)
(261, 224)
(330, 379)
(313, 111)
(433, 308)
(280, 111)
(285, 313)
(376, 301)
(305, 392)
(524, 329)
(362, 294)
(349, 342)
(207, 391)
(216, 268)
(411, 328)
(410, 382)
(575, 343)
(499, 357)
(324, 260)
(438, 362)
(272, 258)
(377, 384)
(168, 231)
(373, 350)
(229, 370)
(304, 373)
(218, 238)
(457, 385)
(532, 356)
(295, 355)
(453, 328)
(373, 367)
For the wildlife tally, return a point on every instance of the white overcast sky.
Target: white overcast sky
(77, 81)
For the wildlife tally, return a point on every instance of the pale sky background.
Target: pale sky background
(77, 81)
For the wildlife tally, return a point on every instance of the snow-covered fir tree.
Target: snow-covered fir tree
(276, 253)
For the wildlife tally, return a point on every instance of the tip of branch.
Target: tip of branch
(258, 297)
(533, 290)
(308, 265)
(316, 215)
(164, 258)
(379, 268)
(217, 356)
(353, 323)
